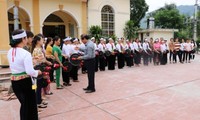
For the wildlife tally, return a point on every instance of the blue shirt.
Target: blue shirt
(89, 50)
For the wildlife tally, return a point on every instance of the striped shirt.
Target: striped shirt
(177, 46)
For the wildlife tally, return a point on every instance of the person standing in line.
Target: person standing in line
(102, 59)
(58, 56)
(177, 51)
(74, 70)
(49, 56)
(89, 60)
(129, 59)
(146, 47)
(164, 51)
(66, 50)
(30, 36)
(188, 49)
(151, 47)
(96, 53)
(171, 49)
(21, 66)
(111, 59)
(120, 58)
(157, 52)
(138, 51)
(182, 49)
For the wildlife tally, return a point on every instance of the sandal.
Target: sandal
(49, 93)
(60, 87)
(44, 102)
(42, 106)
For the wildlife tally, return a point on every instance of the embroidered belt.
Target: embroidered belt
(19, 76)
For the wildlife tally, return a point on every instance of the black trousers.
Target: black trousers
(170, 55)
(111, 62)
(83, 69)
(65, 75)
(74, 72)
(27, 98)
(120, 60)
(51, 71)
(90, 66)
(137, 57)
(163, 60)
(145, 58)
(102, 63)
(39, 90)
(156, 58)
(96, 63)
(183, 55)
(179, 56)
(129, 61)
(187, 56)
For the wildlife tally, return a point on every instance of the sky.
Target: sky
(156, 4)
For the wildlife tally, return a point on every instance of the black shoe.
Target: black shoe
(85, 89)
(90, 91)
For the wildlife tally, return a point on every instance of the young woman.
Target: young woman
(49, 56)
(157, 52)
(37, 52)
(58, 56)
(171, 49)
(188, 49)
(21, 67)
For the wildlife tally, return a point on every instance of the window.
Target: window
(107, 21)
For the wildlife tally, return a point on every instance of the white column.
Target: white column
(16, 18)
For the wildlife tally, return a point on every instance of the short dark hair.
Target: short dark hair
(29, 34)
(15, 42)
(84, 36)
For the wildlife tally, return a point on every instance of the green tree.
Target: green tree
(169, 17)
(129, 30)
(138, 10)
(95, 31)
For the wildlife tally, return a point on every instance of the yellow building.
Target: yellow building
(62, 18)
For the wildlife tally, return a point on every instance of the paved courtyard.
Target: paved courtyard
(170, 92)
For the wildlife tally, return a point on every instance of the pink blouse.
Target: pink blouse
(156, 46)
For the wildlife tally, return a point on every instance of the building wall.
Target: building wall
(121, 10)
(158, 34)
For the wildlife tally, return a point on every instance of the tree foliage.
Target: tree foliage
(138, 10)
(95, 31)
(169, 17)
(129, 30)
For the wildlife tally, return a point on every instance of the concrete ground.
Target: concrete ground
(170, 92)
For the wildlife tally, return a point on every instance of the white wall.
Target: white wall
(121, 9)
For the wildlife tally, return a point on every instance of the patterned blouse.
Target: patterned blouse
(38, 56)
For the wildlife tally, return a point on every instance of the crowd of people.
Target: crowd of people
(134, 53)
(29, 51)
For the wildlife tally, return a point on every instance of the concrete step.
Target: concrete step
(5, 76)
